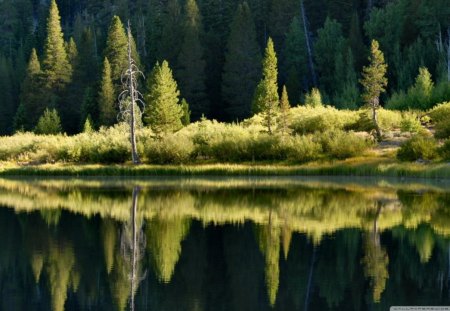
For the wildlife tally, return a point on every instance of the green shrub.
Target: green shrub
(303, 149)
(387, 120)
(170, 149)
(313, 98)
(440, 117)
(418, 147)
(444, 150)
(341, 145)
(307, 120)
(410, 123)
(49, 123)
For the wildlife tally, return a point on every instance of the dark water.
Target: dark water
(223, 244)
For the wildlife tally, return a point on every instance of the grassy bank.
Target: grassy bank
(351, 167)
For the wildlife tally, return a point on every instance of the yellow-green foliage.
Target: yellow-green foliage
(440, 116)
(418, 147)
(307, 119)
(387, 120)
(339, 144)
(410, 122)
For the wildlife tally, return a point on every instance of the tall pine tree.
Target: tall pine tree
(56, 65)
(242, 65)
(31, 104)
(266, 99)
(296, 61)
(163, 111)
(107, 97)
(191, 64)
(374, 82)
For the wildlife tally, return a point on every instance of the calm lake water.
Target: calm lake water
(223, 244)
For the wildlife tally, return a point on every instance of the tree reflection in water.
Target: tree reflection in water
(173, 246)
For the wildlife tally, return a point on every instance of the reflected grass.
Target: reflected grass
(352, 167)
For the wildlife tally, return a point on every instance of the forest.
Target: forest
(285, 66)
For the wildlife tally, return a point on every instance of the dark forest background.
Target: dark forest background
(217, 62)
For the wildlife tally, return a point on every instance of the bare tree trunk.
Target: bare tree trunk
(135, 246)
(308, 44)
(374, 107)
(134, 154)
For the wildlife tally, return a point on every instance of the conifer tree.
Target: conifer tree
(191, 72)
(242, 65)
(284, 111)
(107, 97)
(374, 82)
(420, 93)
(186, 118)
(346, 94)
(56, 65)
(172, 35)
(313, 98)
(266, 99)
(329, 45)
(116, 50)
(163, 112)
(31, 104)
(296, 61)
(49, 123)
(72, 51)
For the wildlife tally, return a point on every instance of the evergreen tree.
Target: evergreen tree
(163, 112)
(186, 118)
(420, 94)
(191, 72)
(374, 82)
(266, 99)
(284, 112)
(116, 50)
(56, 65)
(296, 61)
(172, 35)
(49, 123)
(72, 52)
(242, 65)
(313, 98)
(107, 97)
(347, 94)
(329, 45)
(31, 103)
(280, 17)
(90, 107)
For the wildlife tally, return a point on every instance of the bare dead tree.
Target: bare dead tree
(131, 104)
(133, 247)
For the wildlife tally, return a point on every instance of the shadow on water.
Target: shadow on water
(223, 244)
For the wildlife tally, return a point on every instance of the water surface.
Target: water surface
(223, 244)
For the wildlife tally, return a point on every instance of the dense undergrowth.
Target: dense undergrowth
(320, 133)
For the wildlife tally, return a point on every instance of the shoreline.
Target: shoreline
(352, 167)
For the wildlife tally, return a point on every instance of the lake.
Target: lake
(223, 244)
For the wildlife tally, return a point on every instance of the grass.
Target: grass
(366, 166)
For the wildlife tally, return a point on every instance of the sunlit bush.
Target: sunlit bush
(309, 120)
(304, 149)
(339, 144)
(175, 148)
(440, 117)
(418, 147)
(387, 120)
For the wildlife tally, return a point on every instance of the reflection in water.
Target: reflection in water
(211, 245)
